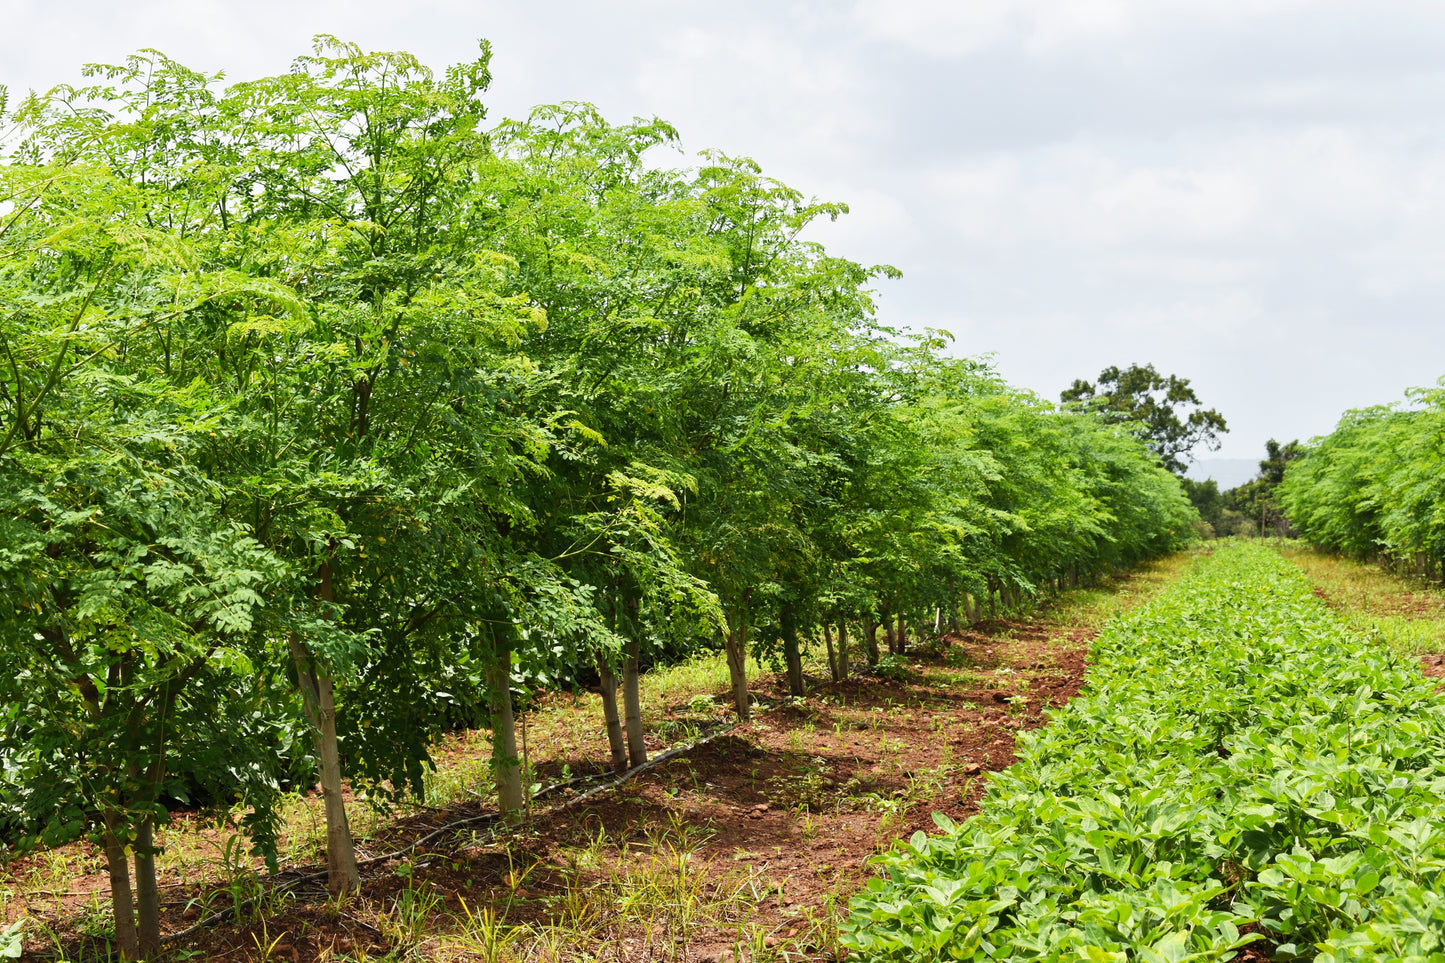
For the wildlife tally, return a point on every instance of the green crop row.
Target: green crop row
(1239, 768)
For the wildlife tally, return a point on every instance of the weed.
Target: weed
(95, 919)
(677, 730)
(801, 737)
(485, 936)
(806, 792)
(467, 780)
(240, 880)
(406, 921)
(892, 746)
(677, 684)
(891, 667)
(265, 945)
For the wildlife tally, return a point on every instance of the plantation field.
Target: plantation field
(361, 452)
(338, 414)
(1252, 771)
(747, 847)
(1244, 772)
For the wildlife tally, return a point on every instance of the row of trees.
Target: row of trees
(329, 416)
(1375, 487)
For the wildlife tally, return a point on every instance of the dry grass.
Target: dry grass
(1408, 614)
(1090, 607)
(653, 900)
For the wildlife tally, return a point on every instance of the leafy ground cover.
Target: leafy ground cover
(1242, 769)
(745, 848)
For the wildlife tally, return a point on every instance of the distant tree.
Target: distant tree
(1271, 469)
(1156, 403)
(1255, 499)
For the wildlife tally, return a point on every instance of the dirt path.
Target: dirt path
(747, 847)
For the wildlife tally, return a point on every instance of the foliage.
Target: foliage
(1208, 501)
(1140, 395)
(1375, 486)
(1256, 500)
(1238, 757)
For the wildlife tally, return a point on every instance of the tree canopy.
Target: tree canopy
(1375, 486)
(1168, 414)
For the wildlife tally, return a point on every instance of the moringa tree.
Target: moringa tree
(130, 604)
(1166, 411)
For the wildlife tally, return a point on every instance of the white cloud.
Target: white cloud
(1220, 316)
(962, 27)
(1076, 195)
(733, 80)
(878, 227)
(1213, 200)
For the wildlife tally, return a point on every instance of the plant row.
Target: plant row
(1375, 487)
(331, 417)
(1240, 767)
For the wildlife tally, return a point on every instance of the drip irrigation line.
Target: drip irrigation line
(719, 729)
(487, 818)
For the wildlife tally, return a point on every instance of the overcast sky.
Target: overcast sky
(1247, 193)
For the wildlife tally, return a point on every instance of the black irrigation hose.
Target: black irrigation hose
(720, 729)
(710, 733)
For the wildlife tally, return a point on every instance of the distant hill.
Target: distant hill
(1227, 472)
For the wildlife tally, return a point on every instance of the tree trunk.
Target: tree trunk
(870, 639)
(632, 702)
(342, 874)
(506, 766)
(843, 650)
(736, 644)
(792, 654)
(122, 906)
(318, 694)
(902, 634)
(832, 653)
(971, 606)
(318, 699)
(886, 618)
(609, 713)
(147, 894)
(734, 641)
